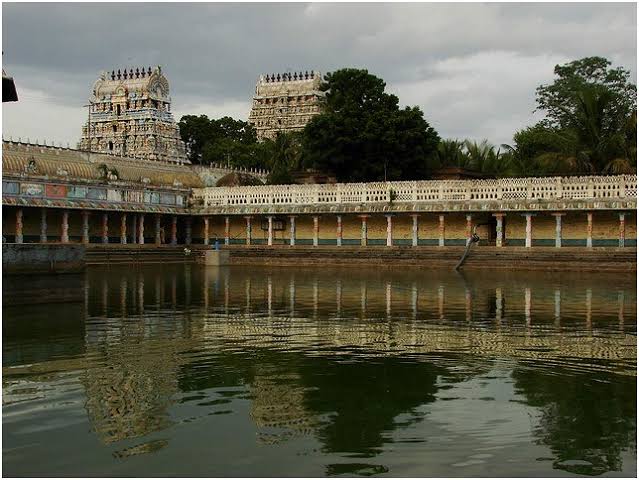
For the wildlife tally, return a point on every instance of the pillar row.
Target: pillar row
(558, 228)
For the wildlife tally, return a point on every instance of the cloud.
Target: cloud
(472, 68)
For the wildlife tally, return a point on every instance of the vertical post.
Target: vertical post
(292, 240)
(105, 228)
(499, 241)
(141, 230)
(85, 227)
(206, 230)
(315, 230)
(389, 230)
(134, 229)
(189, 238)
(123, 229)
(248, 230)
(19, 238)
(227, 230)
(339, 230)
(469, 225)
(65, 227)
(442, 231)
(364, 240)
(622, 229)
(174, 230)
(270, 230)
(589, 231)
(43, 225)
(158, 228)
(558, 229)
(415, 229)
(528, 230)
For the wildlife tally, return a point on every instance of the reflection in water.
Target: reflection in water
(370, 364)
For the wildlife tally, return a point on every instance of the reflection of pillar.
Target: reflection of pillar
(206, 230)
(123, 228)
(557, 307)
(248, 230)
(620, 302)
(174, 230)
(227, 230)
(589, 308)
(499, 240)
(363, 295)
(19, 238)
(158, 227)
(205, 290)
(85, 227)
(189, 230)
(226, 293)
(140, 293)
(105, 297)
(558, 228)
(414, 300)
(622, 229)
(339, 230)
(469, 225)
(269, 295)
(141, 229)
(468, 303)
(415, 229)
(440, 301)
(291, 295)
(338, 296)
(292, 239)
(528, 243)
(315, 297)
(315, 230)
(589, 231)
(270, 230)
(247, 291)
(364, 239)
(527, 305)
(65, 227)
(499, 305)
(187, 284)
(389, 299)
(43, 225)
(442, 231)
(173, 291)
(123, 292)
(134, 229)
(158, 292)
(389, 230)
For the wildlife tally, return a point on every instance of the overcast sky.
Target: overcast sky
(472, 68)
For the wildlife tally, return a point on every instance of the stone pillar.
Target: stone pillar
(123, 229)
(339, 230)
(469, 225)
(158, 228)
(19, 237)
(85, 227)
(43, 225)
(589, 231)
(270, 230)
(364, 239)
(499, 241)
(558, 228)
(134, 229)
(227, 230)
(315, 230)
(189, 238)
(248, 230)
(105, 228)
(206, 230)
(292, 239)
(622, 229)
(528, 230)
(64, 236)
(442, 231)
(174, 230)
(415, 229)
(389, 230)
(141, 230)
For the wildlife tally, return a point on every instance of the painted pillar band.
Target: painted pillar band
(123, 229)
(19, 238)
(622, 229)
(134, 229)
(141, 230)
(85, 227)
(389, 230)
(339, 231)
(158, 229)
(442, 231)
(589, 231)
(292, 239)
(64, 237)
(174, 230)
(248, 230)
(105, 228)
(43, 225)
(499, 240)
(364, 239)
(206, 230)
(415, 230)
(469, 225)
(227, 230)
(315, 231)
(528, 230)
(558, 229)
(270, 230)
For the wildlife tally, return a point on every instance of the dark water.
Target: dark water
(179, 370)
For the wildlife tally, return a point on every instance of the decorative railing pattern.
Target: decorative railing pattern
(429, 191)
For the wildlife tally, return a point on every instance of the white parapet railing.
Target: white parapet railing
(428, 191)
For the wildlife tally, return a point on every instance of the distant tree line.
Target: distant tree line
(362, 134)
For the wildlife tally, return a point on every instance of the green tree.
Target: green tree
(363, 135)
(285, 155)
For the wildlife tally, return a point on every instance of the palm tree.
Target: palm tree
(450, 153)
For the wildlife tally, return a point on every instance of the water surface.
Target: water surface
(183, 370)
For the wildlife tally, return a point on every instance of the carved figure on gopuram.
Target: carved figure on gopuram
(130, 115)
(285, 102)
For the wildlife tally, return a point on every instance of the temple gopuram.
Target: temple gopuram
(285, 102)
(130, 115)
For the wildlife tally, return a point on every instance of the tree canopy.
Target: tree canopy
(363, 135)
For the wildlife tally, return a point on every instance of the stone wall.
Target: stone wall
(39, 258)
